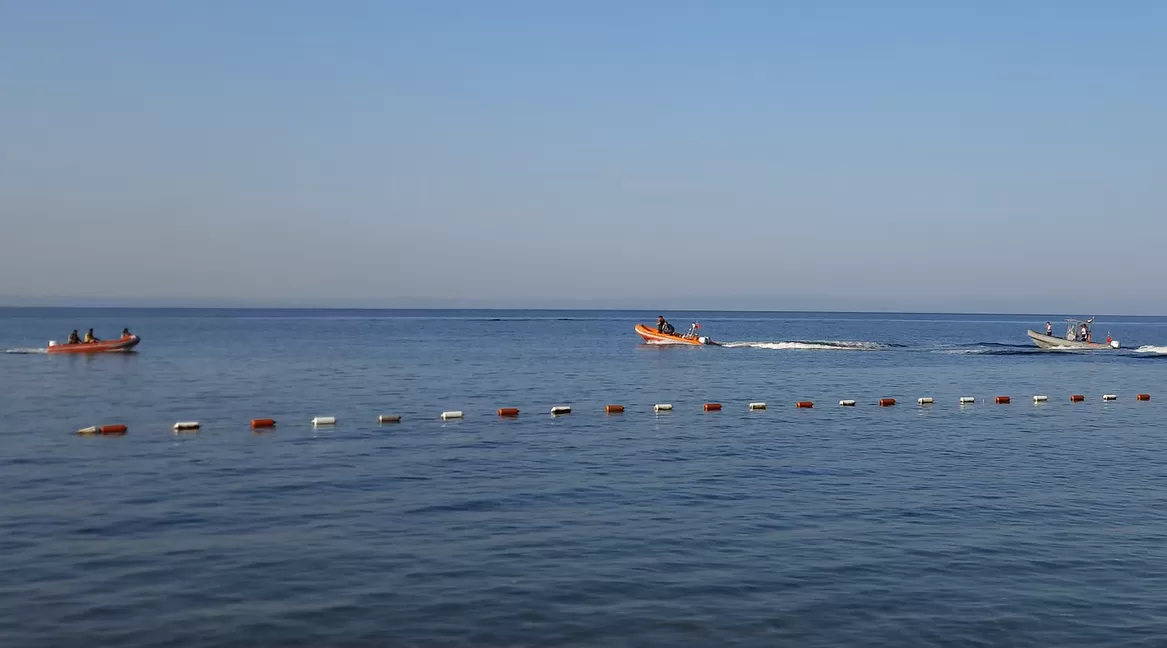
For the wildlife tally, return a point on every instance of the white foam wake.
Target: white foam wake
(42, 350)
(817, 345)
(1146, 348)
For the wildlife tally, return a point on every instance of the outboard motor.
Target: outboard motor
(703, 340)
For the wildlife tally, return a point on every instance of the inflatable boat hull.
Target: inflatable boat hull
(651, 336)
(102, 346)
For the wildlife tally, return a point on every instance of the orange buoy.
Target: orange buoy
(1143, 397)
(1003, 400)
(887, 402)
(1077, 398)
(262, 423)
(614, 409)
(712, 407)
(804, 404)
(508, 411)
(112, 429)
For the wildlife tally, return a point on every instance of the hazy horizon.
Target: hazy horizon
(649, 310)
(843, 156)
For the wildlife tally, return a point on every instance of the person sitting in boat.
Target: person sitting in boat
(74, 338)
(90, 337)
(663, 326)
(126, 333)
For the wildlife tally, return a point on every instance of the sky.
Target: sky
(928, 156)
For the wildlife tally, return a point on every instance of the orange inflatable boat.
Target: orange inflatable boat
(651, 336)
(101, 346)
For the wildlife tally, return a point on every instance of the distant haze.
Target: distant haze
(1003, 157)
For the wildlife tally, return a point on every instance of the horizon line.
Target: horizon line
(552, 309)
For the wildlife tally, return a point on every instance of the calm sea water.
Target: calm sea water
(1016, 525)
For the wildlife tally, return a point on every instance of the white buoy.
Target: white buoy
(1040, 399)
(560, 409)
(847, 403)
(1109, 397)
(927, 400)
(967, 400)
(186, 425)
(662, 407)
(757, 406)
(455, 414)
(324, 420)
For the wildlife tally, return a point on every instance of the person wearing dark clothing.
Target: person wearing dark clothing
(664, 327)
(74, 338)
(126, 333)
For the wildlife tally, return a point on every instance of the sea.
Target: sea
(984, 524)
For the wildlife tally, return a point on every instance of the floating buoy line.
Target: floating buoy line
(117, 429)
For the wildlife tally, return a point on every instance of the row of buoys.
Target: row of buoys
(560, 410)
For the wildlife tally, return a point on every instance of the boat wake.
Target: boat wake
(1157, 350)
(811, 345)
(994, 349)
(665, 343)
(41, 350)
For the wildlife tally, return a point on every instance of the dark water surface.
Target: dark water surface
(1012, 525)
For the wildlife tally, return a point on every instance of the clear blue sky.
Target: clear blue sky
(1006, 156)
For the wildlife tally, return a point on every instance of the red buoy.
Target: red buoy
(508, 411)
(262, 423)
(712, 407)
(887, 402)
(804, 404)
(1003, 400)
(1077, 398)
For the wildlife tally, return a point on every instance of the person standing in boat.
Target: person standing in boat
(1049, 329)
(1085, 333)
(663, 326)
